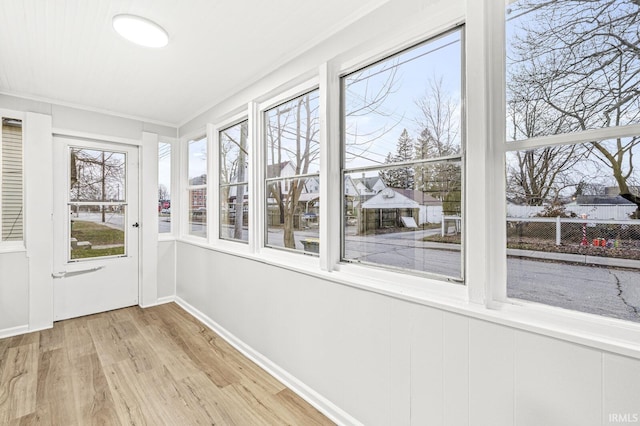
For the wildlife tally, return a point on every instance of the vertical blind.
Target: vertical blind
(11, 191)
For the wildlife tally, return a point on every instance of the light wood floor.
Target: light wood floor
(138, 366)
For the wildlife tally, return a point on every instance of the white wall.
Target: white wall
(390, 362)
(14, 293)
(166, 269)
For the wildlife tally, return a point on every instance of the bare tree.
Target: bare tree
(97, 176)
(367, 91)
(581, 60)
(163, 192)
(292, 134)
(439, 121)
(537, 176)
(233, 168)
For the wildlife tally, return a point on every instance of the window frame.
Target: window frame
(506, 146)
(185, 187)
(175, 166)
(461, 157)
(617, 335)
(15, 245)
(214, 130)
(278, 254)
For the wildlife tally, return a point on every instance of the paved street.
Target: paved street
(598, 290)
(594, 289)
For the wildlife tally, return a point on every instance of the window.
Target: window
(164, 187)
(234, 182)
(402, 160)
(292, 174)
(197, 187)
(97, 203)
(11, 189)
(572, 149)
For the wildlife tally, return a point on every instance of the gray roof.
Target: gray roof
(601, 199)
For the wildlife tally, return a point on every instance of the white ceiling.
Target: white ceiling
(66, 51)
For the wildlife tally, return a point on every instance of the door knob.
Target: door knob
(136, 225)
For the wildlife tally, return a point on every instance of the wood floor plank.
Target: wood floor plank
(138, 366)
(52, 338)
(54, 395)
(93, 400)
(177, 362)
(18, 382)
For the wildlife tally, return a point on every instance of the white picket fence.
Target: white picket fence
(594, 211)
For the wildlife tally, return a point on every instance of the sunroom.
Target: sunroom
(194, 230)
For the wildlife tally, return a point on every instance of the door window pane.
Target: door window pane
(97, 175)
(97, 231)
(97, 220)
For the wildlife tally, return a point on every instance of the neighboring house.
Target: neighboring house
(430, 207)
(367, 187)
(613, 199)
(614, 190)
(385, 210)
(198, 196)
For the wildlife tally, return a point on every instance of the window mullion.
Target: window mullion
(484, 239)
(331, 189)
(213, 197)
(256, 172)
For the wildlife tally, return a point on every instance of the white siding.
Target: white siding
(12, 184)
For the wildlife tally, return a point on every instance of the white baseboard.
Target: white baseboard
(160, 301)
(326, 407)
(14, 331)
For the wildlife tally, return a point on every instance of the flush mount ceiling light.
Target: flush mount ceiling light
(140, 30)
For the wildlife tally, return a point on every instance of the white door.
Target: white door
(95, 227)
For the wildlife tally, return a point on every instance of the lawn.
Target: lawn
(98, 235)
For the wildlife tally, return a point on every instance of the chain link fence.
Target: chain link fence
(606, 238)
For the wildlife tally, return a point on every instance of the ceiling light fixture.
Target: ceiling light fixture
(140, 30)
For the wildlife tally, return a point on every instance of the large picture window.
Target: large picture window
(292, 184)
(403, 149)
(234, 182)
(572, 149)
(197, 187)
(11, 181)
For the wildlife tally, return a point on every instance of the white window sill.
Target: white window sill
(12, 247)
(166, 236)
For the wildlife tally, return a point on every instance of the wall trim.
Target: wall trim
(14, 331)
(321, 403)
(160, 301)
